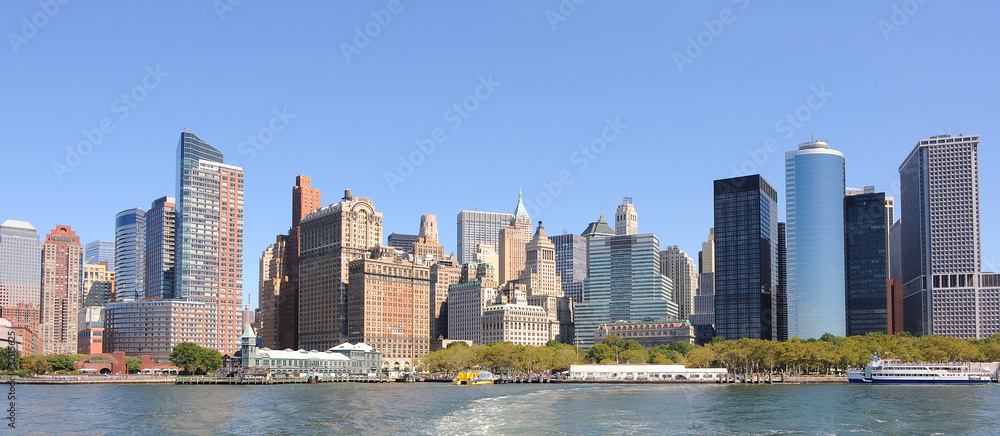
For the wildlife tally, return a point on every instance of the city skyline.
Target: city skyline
(658, 116)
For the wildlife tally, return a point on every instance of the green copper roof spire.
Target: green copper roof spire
(520, 211)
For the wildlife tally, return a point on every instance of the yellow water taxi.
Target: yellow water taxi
(473, 377)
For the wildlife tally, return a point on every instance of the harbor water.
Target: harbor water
(529, 409)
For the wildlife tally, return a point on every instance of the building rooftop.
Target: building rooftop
(598, 228)
(20, 225)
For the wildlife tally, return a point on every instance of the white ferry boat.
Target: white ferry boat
(894, 371)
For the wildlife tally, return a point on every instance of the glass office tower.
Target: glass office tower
(746, 258)
(130, 254)
(814, 189)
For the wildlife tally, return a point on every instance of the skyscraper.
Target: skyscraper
(209, 259)
(781, 291)
(867, 218)
(626, 219)
(161, 246)
(477, 228)
(95, 252)
(444, 273)
(544, 286)
(571, 263)
(388, 306)
(62, 280)
(272, 275)
(704, 301)
(20, 264)
(98, 285)
(427, 241)
(814, 185)
(624, 283)
(130, 254)
(746, 258)
(305, 200)
(331, 238)
(681, 270)
(943, 291)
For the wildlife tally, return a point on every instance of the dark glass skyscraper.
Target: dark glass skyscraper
(782, 288)
(867, 218)
(161, 238)
(746, 258)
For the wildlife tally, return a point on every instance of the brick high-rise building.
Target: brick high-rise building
(305, 200)
(388, 307)
(331, 238)
(444, 273)
(62, 280)
(209, 260)
(272, 276)
(427, 241)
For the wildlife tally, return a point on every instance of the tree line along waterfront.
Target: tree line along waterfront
(829, 355)
(194, 360)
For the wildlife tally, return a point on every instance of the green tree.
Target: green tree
(681, 347)
(36, 364)
(600, 353)
(186, 355)
(10, 360)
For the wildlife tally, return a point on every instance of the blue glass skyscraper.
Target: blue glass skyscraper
(130, 254)
(814, 189)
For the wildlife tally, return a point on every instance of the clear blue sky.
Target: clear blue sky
(888, 73)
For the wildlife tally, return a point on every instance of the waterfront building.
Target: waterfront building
(305, 200)
(513, 242)
(209, 259)
(476, 228)
(624, 283)
(571, 263)
(646, 373)
(509, 318)
(20, 264)
(782, 289)
(25, 319)
(90, 339)
(130, 254)
(11, 338)
(90, 315)
(331, 238)
(704, 301)
(444, 273)
(161, 246)
(100, 251)
(272, 275)
(155, 327)
(466, 303)
(344, 359)
(626, 219)
(681, 270)
(388, 306)
(746, 258)
(944, 290)
(868, 216)
(814, 189)
(648, 334)
(403, 242)
(62, 280)
(98, 285)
